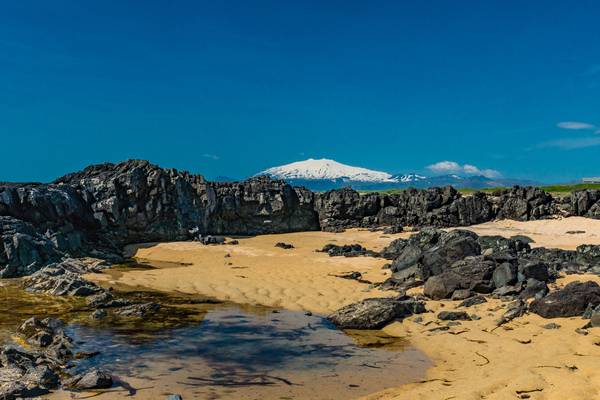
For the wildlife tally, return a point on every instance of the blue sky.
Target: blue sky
(233, 87)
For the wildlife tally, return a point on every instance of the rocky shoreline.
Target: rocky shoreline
(460, 265)
(95, 212)
(54, 233)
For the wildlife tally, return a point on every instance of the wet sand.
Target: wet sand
(472, 360)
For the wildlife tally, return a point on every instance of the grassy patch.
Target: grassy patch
(555, 190)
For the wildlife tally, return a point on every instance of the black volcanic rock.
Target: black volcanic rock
(586, 203)
(473, 273)
(135, 201)
(104, 207)
(346, 208)
(23, 249)
(95, 212)
(375, 313)
(523, 203)
(258, 206)
(570, 301)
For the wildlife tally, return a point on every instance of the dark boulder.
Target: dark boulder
(23, 250)
(347, 250)
(534, 288)
(472, 301)
(453, 316)
(453, 246)
(394, 249)
(504, 274)
(345, 208)
(211, 239)
(375, 313)
(62, 279)
(91, 379)
(516, 309)
(500, 244)
(570, 301)
(523, 203)
(535, 270)
(473, 273)
(595, 318)
(585, 203)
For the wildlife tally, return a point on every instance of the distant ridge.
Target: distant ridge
(326, 174)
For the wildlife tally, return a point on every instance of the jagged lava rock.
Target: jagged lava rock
(375, 313)
(570, 301)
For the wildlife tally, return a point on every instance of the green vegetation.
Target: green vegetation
(570, 188)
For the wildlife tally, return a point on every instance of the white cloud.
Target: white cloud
(211, 156)
(572, 143)
(575, 125)
(445, 166)
(452, 167)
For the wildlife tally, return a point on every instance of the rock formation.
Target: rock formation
(95, 212)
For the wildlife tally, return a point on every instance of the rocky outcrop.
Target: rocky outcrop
(458, 264)
(522, 204)
(436, 207)
(104, 207)
(64, 279)
(472, 273)
(345, 208)
(23, 250)
(585, 203)
(570, 301)
(376, 313)
(95, 212)
(32, 372)
(257, 206)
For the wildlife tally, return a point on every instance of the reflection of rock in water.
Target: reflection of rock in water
(192, 343)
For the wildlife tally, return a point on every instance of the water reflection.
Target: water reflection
(197, 347)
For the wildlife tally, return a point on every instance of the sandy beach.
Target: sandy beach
(257, 272)
(472, 360)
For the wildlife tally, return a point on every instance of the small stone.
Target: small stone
(98, 314)
(551, 325)
(582, 331)
(453, 316)
(471, 301)
(461, 294)
(174, 397)
(91, 379)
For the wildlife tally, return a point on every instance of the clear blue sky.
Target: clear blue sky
(233, 87)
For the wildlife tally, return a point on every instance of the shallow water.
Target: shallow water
(227, 351)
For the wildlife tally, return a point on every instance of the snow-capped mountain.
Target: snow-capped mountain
(408, 178)
(312, 169)
(325, 174)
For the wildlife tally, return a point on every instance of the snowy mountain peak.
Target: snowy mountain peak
(407, 178)
(312, 169)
